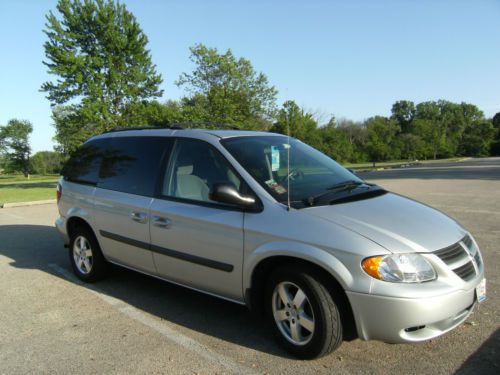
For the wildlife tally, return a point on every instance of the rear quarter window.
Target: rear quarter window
(83, 165)
(131, 164)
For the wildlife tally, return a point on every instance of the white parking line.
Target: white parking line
(450, 167)
(188, 343)
(454, 194)
(465, 209)
(3, 213)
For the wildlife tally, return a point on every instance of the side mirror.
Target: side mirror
(352, 171)
(227, 193)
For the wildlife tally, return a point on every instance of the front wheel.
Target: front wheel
(302, 313)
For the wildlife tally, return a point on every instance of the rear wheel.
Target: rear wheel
(85, 255)
(302, 313)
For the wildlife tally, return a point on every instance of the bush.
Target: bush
(46, 162)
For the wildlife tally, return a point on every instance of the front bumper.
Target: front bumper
(399, 320)
(61, 229)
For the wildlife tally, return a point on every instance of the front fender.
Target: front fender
(320, 257)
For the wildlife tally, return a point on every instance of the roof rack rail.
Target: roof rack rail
(178, 126)
(174, 127)
(216, 125)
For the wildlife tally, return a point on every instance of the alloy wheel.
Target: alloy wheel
(293, 313)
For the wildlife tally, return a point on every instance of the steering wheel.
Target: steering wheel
(294, 174)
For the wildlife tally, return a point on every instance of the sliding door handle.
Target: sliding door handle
(139, 217)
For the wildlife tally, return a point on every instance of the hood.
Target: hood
(397, 223)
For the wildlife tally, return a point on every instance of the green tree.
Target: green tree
(381, 143)
(429, 136)
(195, 109)
(357, 136)
(3, 148)
(3, 140)
(71, 128)
(403, 111)
(98, 53)
(334, 142)
(495, 144)
(224, 89)
(154, 113)
(449, 120)
(412, 146)
(469, 123)
(3, 163)
(477, 138)
(16, 145)
(296, 122)
(436, 137)
(46, 162)
(496, 121)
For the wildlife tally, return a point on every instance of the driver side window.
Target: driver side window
(194, 168)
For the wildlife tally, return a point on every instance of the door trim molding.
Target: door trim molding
(169, 252)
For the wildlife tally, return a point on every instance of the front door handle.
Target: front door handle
(139, 217)
(162, 222)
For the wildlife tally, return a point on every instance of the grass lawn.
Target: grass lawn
(17, 188)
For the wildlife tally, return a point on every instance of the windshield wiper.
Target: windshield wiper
(341, 186)
(345, 185)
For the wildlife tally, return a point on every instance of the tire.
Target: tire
(292, 325)
(91, 265)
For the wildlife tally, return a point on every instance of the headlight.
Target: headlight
(399, 268)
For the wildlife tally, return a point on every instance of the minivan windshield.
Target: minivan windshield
(311, 174)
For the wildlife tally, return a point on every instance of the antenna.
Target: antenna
(288, 163)
(288, 157)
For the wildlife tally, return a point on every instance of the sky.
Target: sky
(350, 59)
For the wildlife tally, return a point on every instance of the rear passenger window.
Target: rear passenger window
(83, 166)
(131, 164)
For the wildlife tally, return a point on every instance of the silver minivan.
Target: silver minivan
(264, 220)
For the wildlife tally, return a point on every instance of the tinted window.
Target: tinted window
(83, 166)
(195, 166)
(131, 164)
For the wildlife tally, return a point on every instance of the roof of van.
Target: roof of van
(234, 133)
(180, 131)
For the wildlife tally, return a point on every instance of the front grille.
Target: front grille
(477, 257)
(466, 272)
(456, 254)
(452, 253)
(467, 241)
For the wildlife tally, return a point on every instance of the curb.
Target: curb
(406, 165)
(21, 204)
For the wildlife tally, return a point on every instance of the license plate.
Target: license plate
(481, 291)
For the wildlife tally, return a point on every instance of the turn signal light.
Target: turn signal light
(58, 192)
(371, 266)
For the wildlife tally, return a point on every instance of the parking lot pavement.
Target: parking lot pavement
(130, 323)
